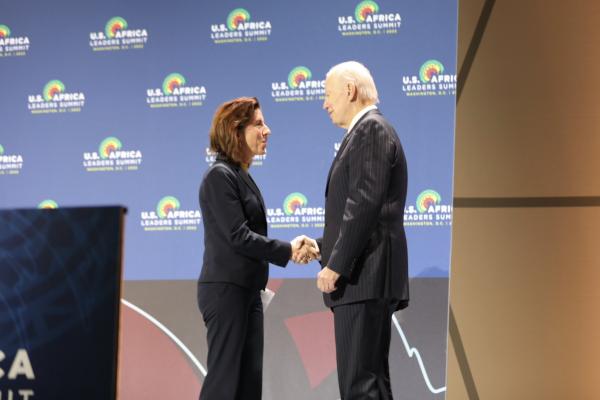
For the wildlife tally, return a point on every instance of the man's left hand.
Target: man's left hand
(326, 280)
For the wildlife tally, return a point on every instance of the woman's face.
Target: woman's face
(256, 134)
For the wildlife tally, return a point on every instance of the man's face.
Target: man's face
(337, 101)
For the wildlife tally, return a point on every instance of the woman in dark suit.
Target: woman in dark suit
(237, 253)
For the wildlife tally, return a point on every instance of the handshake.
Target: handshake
(304, 250)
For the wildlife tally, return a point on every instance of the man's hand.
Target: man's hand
(304, 249)
(326, 280)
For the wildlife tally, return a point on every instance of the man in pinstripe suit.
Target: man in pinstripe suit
(363, 249)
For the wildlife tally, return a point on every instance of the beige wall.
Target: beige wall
(525, 285)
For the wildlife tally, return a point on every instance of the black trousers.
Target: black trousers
(234, 321)
(362, 342)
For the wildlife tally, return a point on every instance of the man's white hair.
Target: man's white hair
(359, 75)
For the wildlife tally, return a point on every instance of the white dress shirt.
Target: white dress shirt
(359, 115)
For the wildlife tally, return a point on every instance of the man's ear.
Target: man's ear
(351, 91)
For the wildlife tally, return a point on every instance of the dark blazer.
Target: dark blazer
(236, 247)
(364, 237)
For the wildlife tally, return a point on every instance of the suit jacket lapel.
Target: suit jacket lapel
(246, 178)
(252, 185)
(342, 147)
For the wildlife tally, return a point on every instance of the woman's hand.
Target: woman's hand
(304, 250)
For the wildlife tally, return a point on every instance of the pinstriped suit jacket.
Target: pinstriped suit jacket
(364, 237)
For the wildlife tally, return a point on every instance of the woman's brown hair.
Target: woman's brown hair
(227, 128)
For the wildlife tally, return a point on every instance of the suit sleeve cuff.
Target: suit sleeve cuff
(282, 254)
(343, 272)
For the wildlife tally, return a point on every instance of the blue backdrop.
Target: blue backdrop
(110, 103)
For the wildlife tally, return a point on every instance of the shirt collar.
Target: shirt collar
(359, 116)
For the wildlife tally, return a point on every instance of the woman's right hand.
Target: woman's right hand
(304, 250)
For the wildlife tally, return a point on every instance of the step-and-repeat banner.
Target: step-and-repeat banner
(110, 103)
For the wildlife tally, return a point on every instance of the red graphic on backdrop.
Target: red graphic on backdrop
(147, 359)
(313, 335)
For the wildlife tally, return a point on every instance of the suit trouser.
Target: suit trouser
(362, 342)
(234, 321)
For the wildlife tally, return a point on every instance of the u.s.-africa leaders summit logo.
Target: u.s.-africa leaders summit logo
(168, 216)
(369, 20)
(240, 28)
(10, 164)
(118, 36)
(295, 213)
(299, 86)
(175, 92)
(111, 156)
(428, 210)
(432, 80)
(12, 46)
(48, 204)
(55, 99)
